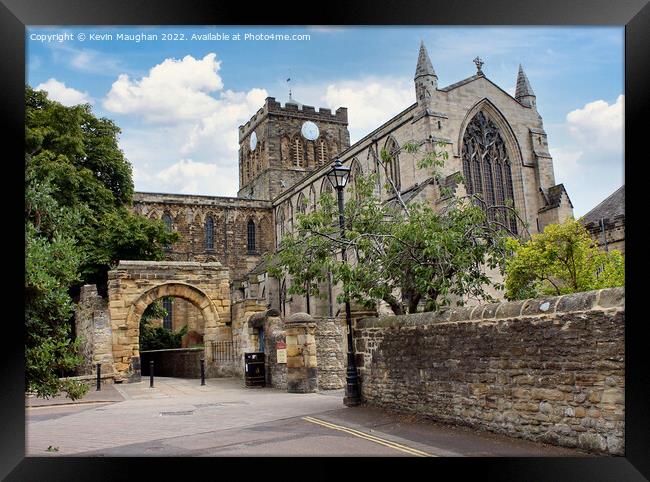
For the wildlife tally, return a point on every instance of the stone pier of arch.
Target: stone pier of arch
(133, 285)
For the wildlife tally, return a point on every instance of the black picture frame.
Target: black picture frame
(15, 15)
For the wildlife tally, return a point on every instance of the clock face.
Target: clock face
(253, 142)
(310, 131)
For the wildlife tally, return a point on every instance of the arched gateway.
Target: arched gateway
(133, 285)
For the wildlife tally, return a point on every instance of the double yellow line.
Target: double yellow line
(372, 438)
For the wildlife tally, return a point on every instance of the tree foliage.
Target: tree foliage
(77, 226)
(52, 261)
(156, 337)
(563, 259)
(411, 256)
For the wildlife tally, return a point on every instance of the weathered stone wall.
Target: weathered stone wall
(549, 370)
(330, 353)
(93, 328)
(230, 216)
(276, 373)
(176, 362)
(614, 234)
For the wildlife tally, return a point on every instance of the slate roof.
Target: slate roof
(612, 207)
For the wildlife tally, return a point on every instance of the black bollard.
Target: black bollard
(202, 371)
(151, 374)
(99, 376)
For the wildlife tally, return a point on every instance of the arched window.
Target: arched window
(326, 186)
(487, 169)
(298, 152)
(301, 205)
(167, 219)
(167, 305)
(355, 172)
(209, 232)
(392, 169)
(280, 220)
(312, 198)
(250, 229)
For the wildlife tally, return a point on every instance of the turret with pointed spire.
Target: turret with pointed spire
(524, 92)
(426, 80)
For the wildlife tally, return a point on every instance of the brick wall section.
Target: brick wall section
(330, 353)
(548, 370)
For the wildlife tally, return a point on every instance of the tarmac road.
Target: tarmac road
(181, 418)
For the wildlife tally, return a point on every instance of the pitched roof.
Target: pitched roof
(613, 206)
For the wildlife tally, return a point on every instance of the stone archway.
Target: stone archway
(133, 285)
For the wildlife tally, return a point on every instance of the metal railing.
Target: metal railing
(225, 351)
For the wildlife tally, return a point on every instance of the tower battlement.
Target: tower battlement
(290, 109)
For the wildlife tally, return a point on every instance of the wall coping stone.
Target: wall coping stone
(300, 317)
(586, 301)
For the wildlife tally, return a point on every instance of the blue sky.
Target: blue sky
(179, 102)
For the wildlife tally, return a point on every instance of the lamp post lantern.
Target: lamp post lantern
(338, 176)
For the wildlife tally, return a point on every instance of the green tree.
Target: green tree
(563, 259)
(52, 261)
(77, 226)
(80, 155)
(412, 256)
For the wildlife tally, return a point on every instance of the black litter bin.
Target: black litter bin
(254, 373)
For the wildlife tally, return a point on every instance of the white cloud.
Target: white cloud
(174, 90)
(370, 101)
(183, 112)
(593, 152)
(598, 125)
(65, 95)
(189, 177)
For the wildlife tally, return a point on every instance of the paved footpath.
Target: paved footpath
(182, 418)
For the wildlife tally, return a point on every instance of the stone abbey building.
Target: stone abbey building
(496, 141)
(215, 280)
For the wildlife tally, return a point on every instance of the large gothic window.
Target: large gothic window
(487, 169)
(392, 169)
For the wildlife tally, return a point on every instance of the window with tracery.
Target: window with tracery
(487, 169)
(392, 169)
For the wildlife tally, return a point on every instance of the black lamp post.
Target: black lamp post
(338, 176)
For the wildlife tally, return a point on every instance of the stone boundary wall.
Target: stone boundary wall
(331, 352)
(93, 328)
(548, 370)
(174, 362)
